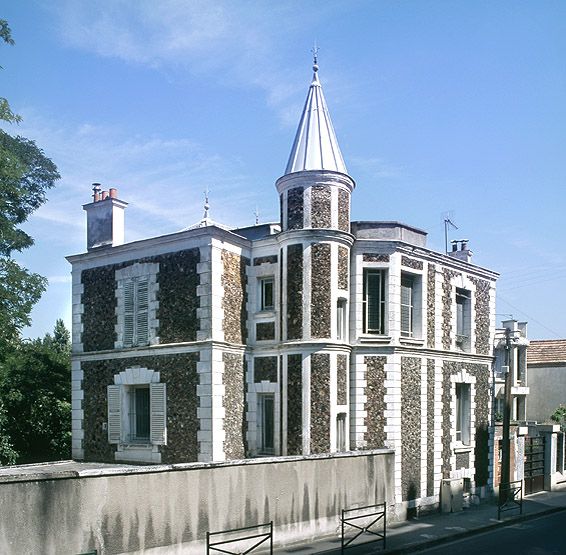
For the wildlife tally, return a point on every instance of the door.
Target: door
(534, 464)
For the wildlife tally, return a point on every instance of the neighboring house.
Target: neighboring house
(547, 376)
(510, 356)
(312, 335)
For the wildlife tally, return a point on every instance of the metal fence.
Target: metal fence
(370, 520)
(510, 497)
(240, 541)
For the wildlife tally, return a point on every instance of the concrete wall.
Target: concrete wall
(547, 391)
(168, 509)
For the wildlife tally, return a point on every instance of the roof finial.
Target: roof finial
(314, 51)
(206, 205)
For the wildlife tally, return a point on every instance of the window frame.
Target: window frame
(463, 318)
(410, 306)
(341, 319)
(263, 281)
(265, 426)
(463, 393)
(379, 303)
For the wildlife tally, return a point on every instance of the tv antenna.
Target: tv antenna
(447, 223)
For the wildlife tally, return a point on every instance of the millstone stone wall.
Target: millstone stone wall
(179, 372)
(235, 427)
(320, 403)
(320, 290)
(177, 296)
(295, 291)
(234, 300)
(294, 404)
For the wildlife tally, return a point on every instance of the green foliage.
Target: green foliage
(559, 416)
(35, 386)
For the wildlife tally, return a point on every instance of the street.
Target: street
(539, 536)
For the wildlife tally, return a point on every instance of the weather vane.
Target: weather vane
(314, 51)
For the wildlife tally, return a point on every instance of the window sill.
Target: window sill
(461, 448)
(371, 338)
(412, 341)
(267, 313)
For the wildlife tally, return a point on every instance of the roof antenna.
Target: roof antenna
(447, 222)
(256, 212)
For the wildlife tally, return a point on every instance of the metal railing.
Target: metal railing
(253, 540)
(375, 514)
(510, 497)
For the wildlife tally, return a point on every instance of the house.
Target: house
(546, 366)
(315, 334)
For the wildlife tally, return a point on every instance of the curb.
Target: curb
(427, 544)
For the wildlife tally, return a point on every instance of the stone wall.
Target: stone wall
(234, 405)
(482, 315)
(180, 375)
(430, 381)
(295, 291)
(234, 300)
(431, 306)
(373, 257)
(410, 428)
(375, 404)
(320, 403)
(259, 260)
(320, 290)
(320, 206)
(167, 509)
(177, 296)
(294, 404)
(343, 210)
(342, 379)
(295, 208)
(99, 302)
(411, 263)
(343, 267)
(265, 369)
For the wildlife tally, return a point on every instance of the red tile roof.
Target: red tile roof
(547, 352)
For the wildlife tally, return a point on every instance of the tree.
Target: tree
(25, 176)
(559, 416)
(35, 388)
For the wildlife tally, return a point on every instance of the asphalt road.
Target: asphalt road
(540, 536)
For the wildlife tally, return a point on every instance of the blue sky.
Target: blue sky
(440, 107)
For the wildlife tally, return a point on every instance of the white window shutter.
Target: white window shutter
(158, 430)
(114, 413)
(128, 313)
(142, 324)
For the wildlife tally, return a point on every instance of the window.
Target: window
(266, 424)
(341, 320)
(136, 305)
(463, 413)
(374, 301)
(266, 293)
(407, 306)
(139, 414)
(341, 432)
(137, 408)
(463, 319)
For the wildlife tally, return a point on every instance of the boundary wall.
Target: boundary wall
(76, 507)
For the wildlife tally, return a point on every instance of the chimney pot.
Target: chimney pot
(113, 192)
(104, 195)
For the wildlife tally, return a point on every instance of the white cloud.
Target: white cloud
(242, 44)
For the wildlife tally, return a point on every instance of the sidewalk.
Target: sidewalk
(434, 529)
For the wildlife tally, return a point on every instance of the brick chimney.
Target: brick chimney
(104, 218)
(460, 250)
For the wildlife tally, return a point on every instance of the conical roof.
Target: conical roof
(315, 146)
